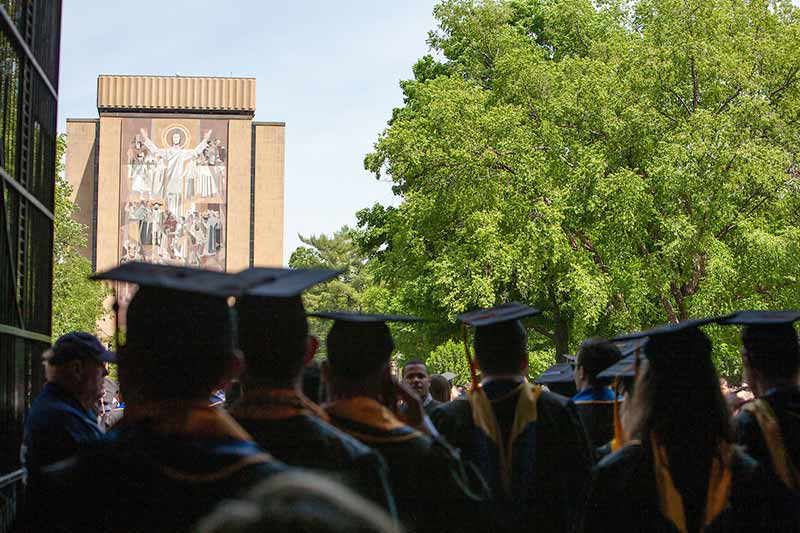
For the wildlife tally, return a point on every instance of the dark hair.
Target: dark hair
(414, 362)
(500, 348)
(678, 400)
(357, 350)
(772, 350)
(595, 355)
(440, 388)
(178, 345)
(273, 336)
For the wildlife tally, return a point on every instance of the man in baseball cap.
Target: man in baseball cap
(61, 419)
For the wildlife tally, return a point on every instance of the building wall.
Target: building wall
(269, 193)
(108, 193)
(239, 140)
(80, 171)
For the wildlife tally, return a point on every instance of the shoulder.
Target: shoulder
(349, 444)
(450, 415)
(622, 468)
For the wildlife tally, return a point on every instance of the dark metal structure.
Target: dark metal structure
(30, 33)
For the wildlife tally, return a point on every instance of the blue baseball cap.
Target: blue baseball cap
(79, 345)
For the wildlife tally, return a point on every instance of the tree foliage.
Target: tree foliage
(616, 164)
(77, 301)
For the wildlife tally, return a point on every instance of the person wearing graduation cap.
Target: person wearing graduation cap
(678, 469)
(527, 442)
(433, 488)
(172, 457)
(277, 346)
(769, 426)
(595, 399)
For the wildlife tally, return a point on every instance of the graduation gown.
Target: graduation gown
(625, 496)
(595, 407)
(549, 460)
(162, 469)
(296, 431)
(769, 430)
(433, 489)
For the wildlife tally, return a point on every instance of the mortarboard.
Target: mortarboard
(352, 317)
(193, 280)
(282, 282)
(762, 318)
(358, 342)
(626, 367)
(492, 321)
(497, 315)
(768, 335)
(449, 376)
(673, 329)
(269, 282)
(558, 373)
(559, 378)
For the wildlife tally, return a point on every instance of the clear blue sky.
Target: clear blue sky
(330, 70)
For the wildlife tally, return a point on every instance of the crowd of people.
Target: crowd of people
(646, 441)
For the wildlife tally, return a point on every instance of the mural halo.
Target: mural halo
(166, 136)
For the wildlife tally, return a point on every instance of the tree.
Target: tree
(77, 301)
(616, 164)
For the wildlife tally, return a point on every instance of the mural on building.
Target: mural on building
(173, 184)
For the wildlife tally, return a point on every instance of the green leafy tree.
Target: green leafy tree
(616, 164)
(77, 301)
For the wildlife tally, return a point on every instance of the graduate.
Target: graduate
(595, 399)
(527, 442)
(433, 488)
(172, 457)
(677, 469)
(276, 343)
(769, 426)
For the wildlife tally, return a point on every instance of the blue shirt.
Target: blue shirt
(594, 394)
(56, 427)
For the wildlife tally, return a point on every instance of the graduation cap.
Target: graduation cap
(494, 326)
(359, 343)
(558, 378)
(631, 350)
(769, 335)
(174, 278)
(497, 315)
(762, 318)
(282, 282)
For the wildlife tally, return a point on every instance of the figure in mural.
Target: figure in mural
(175, 158)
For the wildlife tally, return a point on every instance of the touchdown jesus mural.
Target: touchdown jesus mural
(173, 184)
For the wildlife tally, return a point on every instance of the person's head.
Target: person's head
(440, 388)
(274, 338)
(415, 374)
(179, 345)
(677, 398)
(502, 348)
(298, 502)
(78, 362)
(358, 351)
(594, 356)
(176, 138)
(770, 355)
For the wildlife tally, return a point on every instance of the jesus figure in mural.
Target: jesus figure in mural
(175, 158)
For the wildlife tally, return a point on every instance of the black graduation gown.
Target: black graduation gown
(785, 405)
(595, 407)
(433, 489)
(292, 428)
(623, 497)
(142, 478)
(560, 462)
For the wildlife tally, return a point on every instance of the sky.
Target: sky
(329, 70)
